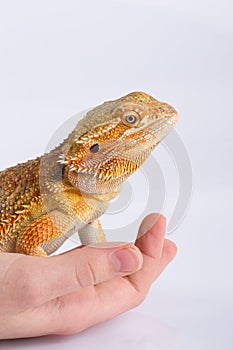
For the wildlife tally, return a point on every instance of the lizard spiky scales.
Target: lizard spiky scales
(43, 201)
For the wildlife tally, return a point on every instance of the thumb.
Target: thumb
(47, 278)
(101, 262)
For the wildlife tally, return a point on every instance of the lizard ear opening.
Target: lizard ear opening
(95, 148)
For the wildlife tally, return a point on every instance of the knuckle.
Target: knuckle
(86, 273)
(91, 273)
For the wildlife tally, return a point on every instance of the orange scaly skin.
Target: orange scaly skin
(43, 201)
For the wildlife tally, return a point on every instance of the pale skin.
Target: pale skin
(68, 293)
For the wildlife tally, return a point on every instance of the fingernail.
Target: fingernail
(127, 260)
(147, 224)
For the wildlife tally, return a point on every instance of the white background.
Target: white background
(60, 57)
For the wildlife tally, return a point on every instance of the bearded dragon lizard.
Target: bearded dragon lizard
(45, 200)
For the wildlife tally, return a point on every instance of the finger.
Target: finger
(42, 279)
(152, 231)
(157, 252)
(118, 296)
(131, 290)
(104, 301)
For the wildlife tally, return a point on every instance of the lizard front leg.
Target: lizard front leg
(92, 233)
(48, 232)
(45, 235)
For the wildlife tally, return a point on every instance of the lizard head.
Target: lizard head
(114, 139)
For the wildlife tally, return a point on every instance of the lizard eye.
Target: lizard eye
(131, 118)
(95, 148)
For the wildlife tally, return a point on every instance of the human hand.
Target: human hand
(68, 293)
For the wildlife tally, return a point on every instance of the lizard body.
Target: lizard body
(43, 201)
